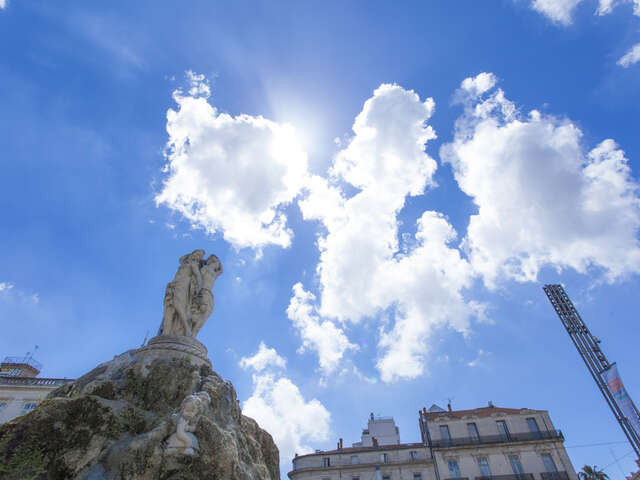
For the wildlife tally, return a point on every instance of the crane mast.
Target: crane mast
(595, 360)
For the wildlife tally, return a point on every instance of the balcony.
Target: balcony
(554, 476)
(513, 476)
(493, 439)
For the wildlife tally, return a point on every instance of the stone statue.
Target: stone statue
(188, 300)
(183, 441)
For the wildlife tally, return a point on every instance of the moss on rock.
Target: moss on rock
(162, 387)
(34, 444)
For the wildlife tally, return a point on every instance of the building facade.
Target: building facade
(478, 444)
(21, 390)
(495, 443)
(378, 456)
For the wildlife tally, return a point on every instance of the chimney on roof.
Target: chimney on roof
(339, 444)
(449, 406)
(491, 404)
(374, 440)
(371, 416)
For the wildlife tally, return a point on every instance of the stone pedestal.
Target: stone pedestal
(178, 346)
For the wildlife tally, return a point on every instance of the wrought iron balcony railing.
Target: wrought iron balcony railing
(489, 439)
(554, 476)
(513, 476)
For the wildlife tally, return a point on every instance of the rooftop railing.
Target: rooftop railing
(492, 439)
(45, 382)
(24, 361)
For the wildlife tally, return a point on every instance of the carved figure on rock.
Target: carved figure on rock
(188, 300)
(183, 442)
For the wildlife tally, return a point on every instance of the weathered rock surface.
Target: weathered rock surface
(115, 422)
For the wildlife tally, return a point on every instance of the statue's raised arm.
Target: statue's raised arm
(188, 301)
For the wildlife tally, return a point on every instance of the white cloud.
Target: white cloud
(425, 285)
(231, 174)
(279, 407)
(542, 199)
(12, 294)
(198, 85)
(264, 358)
(386, 160)
(3, 3)
(363, 270)
(480, 360)
(558, 11)
(479, 84)
(322, 336)
(606, 6)
(631, 57)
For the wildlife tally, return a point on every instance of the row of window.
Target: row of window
(355, 460)
(514, 460)
(27, 407)
(416, 476)
(503, 430)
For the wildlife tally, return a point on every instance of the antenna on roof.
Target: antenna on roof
(146, 336)
(29, 355)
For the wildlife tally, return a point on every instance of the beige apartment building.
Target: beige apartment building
(378, 456)
(21, 390)
(477, 444)
(495, 443)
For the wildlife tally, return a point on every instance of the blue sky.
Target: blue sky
(304, 150)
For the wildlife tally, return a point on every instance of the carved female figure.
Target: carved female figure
(202, 304)
(179, 295)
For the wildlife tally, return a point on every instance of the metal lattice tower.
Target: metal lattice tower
(589, 350)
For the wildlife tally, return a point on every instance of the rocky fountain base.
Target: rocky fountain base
(158, 412)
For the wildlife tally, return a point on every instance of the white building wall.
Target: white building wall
(384, 430)
(401, 465)
(16, 392)
(363, 457)
(394, 472)
(13, 401)
(499, 462)
(497, 454)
